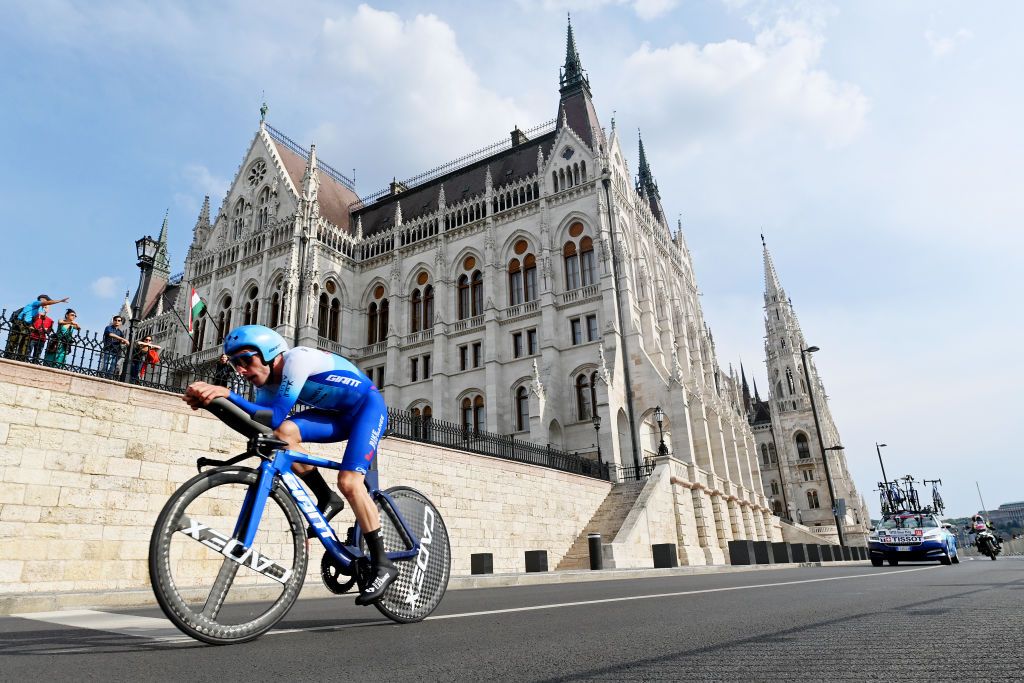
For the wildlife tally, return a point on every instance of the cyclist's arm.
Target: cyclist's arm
(293, 378)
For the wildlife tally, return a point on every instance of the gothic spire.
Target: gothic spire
(572, 75)
(204, 213)
(772, 287)
(647, 186)
(575, 107)
(163, 263)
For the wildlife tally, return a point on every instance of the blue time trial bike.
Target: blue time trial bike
(229, 553)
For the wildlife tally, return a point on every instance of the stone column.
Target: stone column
(707, 532)
(736, 520)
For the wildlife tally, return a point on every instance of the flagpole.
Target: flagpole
(206, 312)
(183, 325)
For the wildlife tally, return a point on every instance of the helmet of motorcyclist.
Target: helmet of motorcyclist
(269, 343)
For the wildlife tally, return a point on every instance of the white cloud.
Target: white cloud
(645, 9)
(106, 287)
(412, 72)
(943, 45)
(741, 90)
(201, 180)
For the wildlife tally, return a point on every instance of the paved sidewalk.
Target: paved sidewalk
(51, 602)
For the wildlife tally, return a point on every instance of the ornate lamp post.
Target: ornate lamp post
(659, 417)
(878, 449)
(146, 249)
(597, 434)
(821, 444)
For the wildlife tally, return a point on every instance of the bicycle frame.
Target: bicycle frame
(279, 464)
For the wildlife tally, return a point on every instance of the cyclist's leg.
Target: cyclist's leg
(315, 426)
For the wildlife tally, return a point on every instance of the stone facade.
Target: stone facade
(783, 425)
(557, 290)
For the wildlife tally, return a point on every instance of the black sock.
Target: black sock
(376, 546)
(319, 486)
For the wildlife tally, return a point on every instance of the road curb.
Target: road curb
(23, 603)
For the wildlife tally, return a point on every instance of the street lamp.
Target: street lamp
(597, 433)
(821, 443)
(659, 417)
(878, 449)
(146, 249)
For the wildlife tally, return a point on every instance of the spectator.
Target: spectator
(42, 325)
(113, 343)
(21, 325)
(62, 339)
(224, 373)
(152, 358)
(140, 357)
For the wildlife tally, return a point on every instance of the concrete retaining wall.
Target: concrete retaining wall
(87, 464)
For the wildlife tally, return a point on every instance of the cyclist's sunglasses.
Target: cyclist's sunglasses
(243, 359)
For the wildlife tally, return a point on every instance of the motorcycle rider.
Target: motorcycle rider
(978, 527)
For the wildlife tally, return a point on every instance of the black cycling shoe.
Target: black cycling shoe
(335, 505)
(383, 576)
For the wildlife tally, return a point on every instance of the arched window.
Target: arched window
(463, 304)
(522, 410)
(224, 320)
(803, 449)
(477, 287)
(773, 452)
(812, 500)
(334, 324)
(764, 454)
(777, 508)
(263, 209)
(198, 332)
(583, 170)
(529, 278)
(775, 488)
(572, 266)
(250, 316)
(275, 309)
(778, 389)
(588, 269)
(586, 395)
(789, 381)
(323, 313)
(371, 325)
(428, 307)
(237, 218)
(416, 310)
(382, 333)
(554, 181)
(472, 411)
(515, 283)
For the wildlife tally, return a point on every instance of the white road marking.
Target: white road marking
(124, 624)
(159, 629)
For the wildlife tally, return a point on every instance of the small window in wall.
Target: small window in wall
(812, 500)
(464, 357)
(592, 327)
(808, 475)
(576, 331)
(517, 344)
(522, 410)
(414, 368)
(426, 366)
(803, 449)
(775, 488)
(531, 341)
(477, 354)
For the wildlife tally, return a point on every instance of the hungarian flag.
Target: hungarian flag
(196, 308)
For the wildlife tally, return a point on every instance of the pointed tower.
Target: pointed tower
(576, 106)
(792, 426)
(162, 265)
(647, 186)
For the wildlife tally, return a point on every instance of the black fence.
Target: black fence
(441, 433)
(83, 352)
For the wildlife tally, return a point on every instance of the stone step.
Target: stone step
(607, 520)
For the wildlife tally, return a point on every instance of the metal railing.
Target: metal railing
(635, 472)
(83, 352)
(438, 432)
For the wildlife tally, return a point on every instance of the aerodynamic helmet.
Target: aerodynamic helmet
(265, 340)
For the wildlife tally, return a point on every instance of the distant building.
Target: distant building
(789, 453)
(1008, 514)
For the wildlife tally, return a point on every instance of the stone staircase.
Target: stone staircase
(606, 521)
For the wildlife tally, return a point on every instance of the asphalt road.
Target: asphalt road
(906, 623)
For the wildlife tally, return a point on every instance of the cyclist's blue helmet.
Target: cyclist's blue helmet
(268, 342)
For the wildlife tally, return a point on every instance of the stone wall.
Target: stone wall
(87, 464)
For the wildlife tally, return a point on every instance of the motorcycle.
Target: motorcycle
(988, 544)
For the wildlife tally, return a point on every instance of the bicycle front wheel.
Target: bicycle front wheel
(422, 580)
(207, 584)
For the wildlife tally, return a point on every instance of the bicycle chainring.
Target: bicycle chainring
(338, 579)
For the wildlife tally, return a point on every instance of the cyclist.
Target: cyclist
(343, 405)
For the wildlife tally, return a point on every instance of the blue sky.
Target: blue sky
(876, 144)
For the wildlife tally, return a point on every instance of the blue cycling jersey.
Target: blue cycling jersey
(314, 378)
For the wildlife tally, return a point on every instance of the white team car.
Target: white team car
(912, 537)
